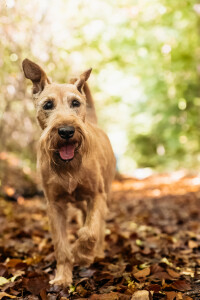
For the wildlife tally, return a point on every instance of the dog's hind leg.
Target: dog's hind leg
(58, 224)
(84, 248)
(82, 205)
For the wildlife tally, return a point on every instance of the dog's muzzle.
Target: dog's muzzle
(66, 132)
(66, 151)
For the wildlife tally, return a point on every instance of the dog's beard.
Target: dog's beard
(51, 143)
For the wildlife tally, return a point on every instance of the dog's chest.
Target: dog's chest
(69, 185)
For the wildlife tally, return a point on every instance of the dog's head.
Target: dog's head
(61, 113)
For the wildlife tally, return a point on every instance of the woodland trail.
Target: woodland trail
(152, 245)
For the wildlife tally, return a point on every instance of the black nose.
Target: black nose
(66, 132)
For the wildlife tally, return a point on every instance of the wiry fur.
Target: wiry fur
(50, 142)
(87, 177)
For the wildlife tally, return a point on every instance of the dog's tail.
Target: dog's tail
(90, 110)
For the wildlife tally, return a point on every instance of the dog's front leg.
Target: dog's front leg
(64, 258)
(91, 233)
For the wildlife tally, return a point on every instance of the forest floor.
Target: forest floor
(152, 245)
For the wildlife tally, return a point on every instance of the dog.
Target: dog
(76, 163)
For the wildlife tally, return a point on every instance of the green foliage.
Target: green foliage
(145, 56)
(171, 84)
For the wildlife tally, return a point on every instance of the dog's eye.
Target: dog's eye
(48, 105)
(75, 103)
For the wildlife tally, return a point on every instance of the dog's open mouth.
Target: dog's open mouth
(67, 151)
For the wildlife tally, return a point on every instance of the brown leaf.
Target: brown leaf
(99, 276)
(181, 285)
(14, 292)
(142, 273)
(3, 270)
(9, 285)
(13, 262)
(43, 294)
(171, 295)
(81, 291)
(3, 294)
(172, 273)
(154, 287)
(192, 244)
(36, 284)
(161, 276)
(156, 269)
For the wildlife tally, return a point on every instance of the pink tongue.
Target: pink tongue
(67, 151)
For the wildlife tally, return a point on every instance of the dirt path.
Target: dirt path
(152, 245)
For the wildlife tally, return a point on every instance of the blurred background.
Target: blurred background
(145, 56)
(146, 67)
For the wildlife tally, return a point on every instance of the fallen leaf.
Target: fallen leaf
(43, 294)
(13, 262)
(154, 287)
(3, 280)
(139, 243)
(161, 275)
(3, 294)
(181, 285)
(81, 291)
(142, 273)
(171, 295)
(86, 273)
(166, 261)
(156, 269)
(3, 270)
(192, 244)
(36, 284)
(172, 273)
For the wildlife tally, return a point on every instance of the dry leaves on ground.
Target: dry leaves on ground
(152, 246)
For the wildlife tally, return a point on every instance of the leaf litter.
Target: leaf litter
(152, 245)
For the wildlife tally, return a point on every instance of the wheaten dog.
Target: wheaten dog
(76, 163)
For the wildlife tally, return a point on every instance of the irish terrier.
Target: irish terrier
(76, 163)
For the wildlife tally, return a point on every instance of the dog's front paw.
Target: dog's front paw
(84, 248)
(87, 237)
(63, 275)
(61, 280)
(82, 256)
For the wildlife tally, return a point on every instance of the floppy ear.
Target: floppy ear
(35, 73)
(79, 83)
